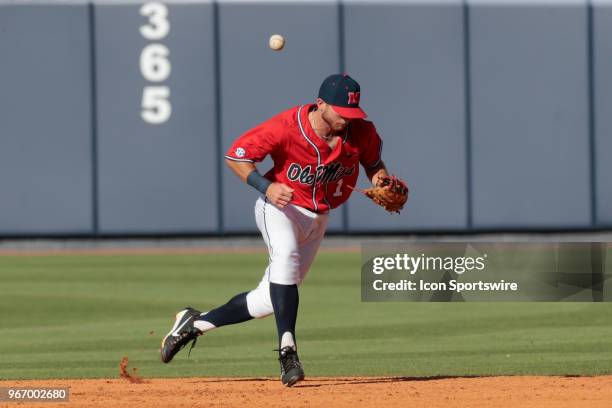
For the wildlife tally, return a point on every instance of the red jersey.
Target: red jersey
(321, 177)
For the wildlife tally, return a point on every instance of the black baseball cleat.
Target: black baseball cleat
(181, 333)
(291, 368)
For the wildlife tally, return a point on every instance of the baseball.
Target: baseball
(276, 42)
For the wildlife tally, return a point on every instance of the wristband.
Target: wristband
(257, 181)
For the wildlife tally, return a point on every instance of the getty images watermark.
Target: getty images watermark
(413, 264)
(486, 272)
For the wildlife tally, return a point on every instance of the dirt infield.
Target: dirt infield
(495, 392)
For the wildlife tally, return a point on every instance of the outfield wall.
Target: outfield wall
(114, 115)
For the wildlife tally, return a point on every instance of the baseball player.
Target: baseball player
(316, 149)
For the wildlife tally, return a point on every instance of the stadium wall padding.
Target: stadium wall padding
(115, 115)
(45, 119)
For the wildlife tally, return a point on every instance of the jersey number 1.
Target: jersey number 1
(338, 191)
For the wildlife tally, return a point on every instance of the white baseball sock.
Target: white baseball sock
(287, 340)
(203, 325)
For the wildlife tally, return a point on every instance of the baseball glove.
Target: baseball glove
(390, 193)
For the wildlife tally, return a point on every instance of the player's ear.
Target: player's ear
(320, 103)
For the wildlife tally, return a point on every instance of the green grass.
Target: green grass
(76, 316)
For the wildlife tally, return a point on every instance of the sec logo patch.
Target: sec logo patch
(240, 152)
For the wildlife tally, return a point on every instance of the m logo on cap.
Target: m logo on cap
(353, 98)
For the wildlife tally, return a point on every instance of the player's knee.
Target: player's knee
(286, 259)
(286, 255)
(259, 303)
(285, 273)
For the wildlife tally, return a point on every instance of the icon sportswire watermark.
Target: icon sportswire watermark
(486, 272)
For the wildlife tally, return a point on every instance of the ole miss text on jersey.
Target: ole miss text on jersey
(320, 176)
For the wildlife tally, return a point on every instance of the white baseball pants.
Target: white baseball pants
(293, 235)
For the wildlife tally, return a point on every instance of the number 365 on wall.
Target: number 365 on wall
(154, 65)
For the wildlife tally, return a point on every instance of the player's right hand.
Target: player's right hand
(279, 194)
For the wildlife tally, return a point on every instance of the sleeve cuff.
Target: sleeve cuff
(376, 163)
(239, 160)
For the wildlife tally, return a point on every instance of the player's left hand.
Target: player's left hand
(390, 192)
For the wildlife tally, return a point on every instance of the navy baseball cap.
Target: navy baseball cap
(342, 92)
